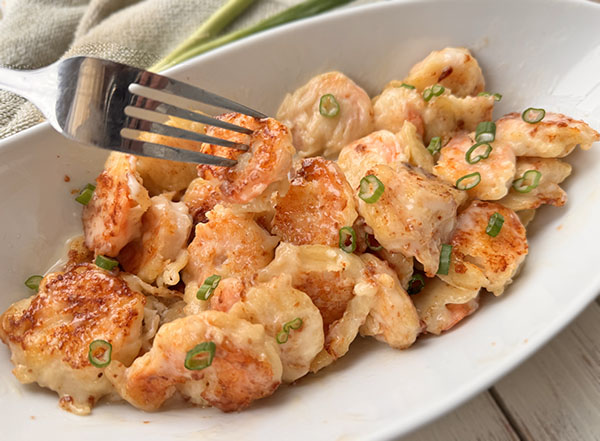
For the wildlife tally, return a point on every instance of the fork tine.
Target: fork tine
(133, 145)
(159, 127)
(159, 82)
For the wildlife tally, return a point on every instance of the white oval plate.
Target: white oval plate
(536, 53)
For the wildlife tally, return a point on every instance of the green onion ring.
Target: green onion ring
(497, 96)
(33, 282)
(347, 234)
(485, 131)
(408, 86)
(535, 181)
(478, 158)
(99, 353)
(427, 94)
(208, 287)
(200, 356)
(494, 224)
(415, 284)
(86, 194)
(105, 262)
(460, 185)
(370, 189)
(437, 90)
(532, 115)
(445, 254)
(328, 106)
(369, 238)
(434, 145)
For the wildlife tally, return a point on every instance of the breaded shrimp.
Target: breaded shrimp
(266, 163)
(318, 203)
(555, 136)
(553, 172)
(452, 67)
(393, 318)
(316, 134)
(415, 214)
(231, 245)
(381, 147)
(113, 217)
(397, 104)
(447, 115)
(49, 334)
(245, 367)
(166, 227)
(498, 258)
(337, 284)
(200, 197)
(414, 149)
(278, 306)
(497, 171)
(441, 306)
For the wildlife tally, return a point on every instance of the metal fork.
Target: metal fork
(115, 106)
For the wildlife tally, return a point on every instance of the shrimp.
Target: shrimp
(393, 318)
(497, 258)
(381, 147)
(166, 227)
(277, 305)
(452, 67)
(441, 306)
(49, 334)
(245, 365)
(318, 134)
(553, 172)
(200, 197)
(318, 203)
(396, 105)
(555, 136)
(414, 149)
(265, 164)
(337, 284)
(415, 214)
(231, 245)
(447, 115)
(113, 217)
(496, 172)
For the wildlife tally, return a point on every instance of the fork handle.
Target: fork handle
(35, 85)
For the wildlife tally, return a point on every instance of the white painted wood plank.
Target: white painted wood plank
(556, 394)
(478, 420)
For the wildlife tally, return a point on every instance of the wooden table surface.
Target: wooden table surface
(553, 396)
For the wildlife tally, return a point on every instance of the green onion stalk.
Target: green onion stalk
(205, 39)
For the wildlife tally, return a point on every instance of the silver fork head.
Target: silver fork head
(115, 106)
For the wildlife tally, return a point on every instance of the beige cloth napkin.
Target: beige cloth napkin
(35, 33)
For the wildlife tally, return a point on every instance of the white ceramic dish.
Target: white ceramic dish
(537, 53)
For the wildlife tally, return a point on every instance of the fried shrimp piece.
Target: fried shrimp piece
(447, 115)
(415, 214)
(381, 147)
(245, 367)
(49, 334)
(266, 163)
(402, 265)
(113, 217)
(497, 171)
(553, 172)
(452, 67)
(200, 197)
(555, 136)
(416, 152)
(497, 258)
(278, 306)
(318, 203)
(393, 318)
(166, 227)
(318, 134)
(337, 284)
(396, 105)
(231, 245)
(441, 306)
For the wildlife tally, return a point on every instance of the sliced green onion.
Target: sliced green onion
(100, 353)
(434, 145)
(408, 86)
(415, 284)
(85, 195)
(200, 356)
(347, 239)
(282, 337)
(293, 324)
(485, 131)
(437, 90)
(462, 185)
(370, 189)
(521, 184)
(427, 94)
(208, 287)
(476, 159)
(497, 96)
(494, 224)
(105, 262)
(328, 106)
(533, 115)
(33, 282)
(445, 254)
(372, 243)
